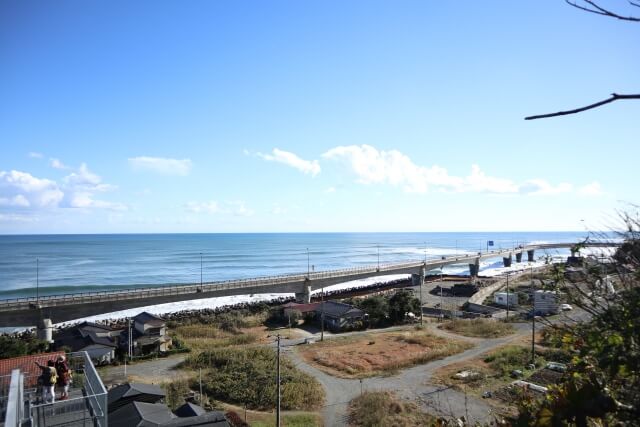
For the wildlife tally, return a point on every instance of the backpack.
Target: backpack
(50, 376)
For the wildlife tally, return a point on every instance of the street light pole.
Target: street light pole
(278, 384)
(378, 257)
(441, 282)
(322, 315)
(200, 271)
(507, 295)
(37, 282)
(308, 263)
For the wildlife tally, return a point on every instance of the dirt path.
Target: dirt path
(411, 384)
(150, 372)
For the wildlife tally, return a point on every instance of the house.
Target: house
(99, 341)
(140, 414)
(545, 302)
(506, 299)
(124, 394)
(339, 316)
(139, 405)
(148, 333)
(290, 307)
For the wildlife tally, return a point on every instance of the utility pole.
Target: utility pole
(200, 271)
(322, 314)
(37, 282)
(201, 386)
(533, 322)
(441, 283)
(278, 384)
(378, 257)
(308, 263)
(507, 295)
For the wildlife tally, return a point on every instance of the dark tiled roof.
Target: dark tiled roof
(125, 393)
(141, 414)
(92, 325)
(338, 309)
(209, 419)
(148, 318)
(75, 340)
(189, 410)
(302, 308)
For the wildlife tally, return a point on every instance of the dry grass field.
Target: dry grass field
(382, 408)
(479, 328)
(376, 354)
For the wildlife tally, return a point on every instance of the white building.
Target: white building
(505, 299)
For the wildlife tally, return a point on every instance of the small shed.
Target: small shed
(505, 299)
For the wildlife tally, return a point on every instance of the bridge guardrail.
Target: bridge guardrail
(188, 288)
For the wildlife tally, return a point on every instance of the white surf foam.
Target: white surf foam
(212, 303)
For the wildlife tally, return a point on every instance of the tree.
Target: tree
(377, 307)
(594, 7)
(602, 385)
(401, 303)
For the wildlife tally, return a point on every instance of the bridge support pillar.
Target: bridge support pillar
(304, 297)
(530, 255)
(518, 256)
(474, 268)
(45, 330)
(506, 261)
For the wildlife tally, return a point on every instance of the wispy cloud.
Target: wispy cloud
(373, 166)
(35, 155)
(236, 207)
(162, 165)
(309, 167)
(593, 189)
(57, 164)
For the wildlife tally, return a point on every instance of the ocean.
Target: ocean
(77, 263)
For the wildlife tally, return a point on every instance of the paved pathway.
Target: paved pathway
(413, 384)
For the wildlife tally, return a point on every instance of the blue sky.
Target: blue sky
(157, 116)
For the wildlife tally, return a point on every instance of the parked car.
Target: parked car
(566, 307)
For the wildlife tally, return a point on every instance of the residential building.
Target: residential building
(506, 299)
(149, 335)
(545, 302)
(340, 316)
(99, 341)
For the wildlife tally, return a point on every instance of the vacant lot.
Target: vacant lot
(480, 328)
(375, 354)
(246, 376)
(381, 409)
(202, 337)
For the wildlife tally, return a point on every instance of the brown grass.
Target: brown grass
(382, 409)
(479, 328)
(203, 337)
(384, 353)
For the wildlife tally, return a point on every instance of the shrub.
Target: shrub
(246, 376)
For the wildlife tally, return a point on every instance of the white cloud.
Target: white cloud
(236, 208)
(330, 190)
(593, 189)
(57, 164)
(372, 166)
(165, 166)
(80, 187)
(540, 187)
(19, 187)
(211, 207)
(35, 155)
(18, 201)
(310, 167)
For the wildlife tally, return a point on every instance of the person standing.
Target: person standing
(64, 376)
(48, 379)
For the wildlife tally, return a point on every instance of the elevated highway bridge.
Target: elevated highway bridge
(60, 308)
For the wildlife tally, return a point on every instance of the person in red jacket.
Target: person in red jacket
(64, 376)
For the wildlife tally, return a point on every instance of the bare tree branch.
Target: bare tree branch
(599, 10)
(614, 97)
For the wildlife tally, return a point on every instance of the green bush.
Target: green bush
(175, 393)
(505, 360)
(247, 376)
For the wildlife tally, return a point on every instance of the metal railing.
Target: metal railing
(87, 405)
